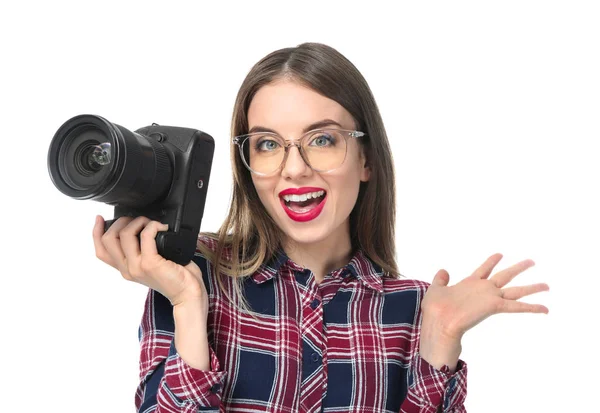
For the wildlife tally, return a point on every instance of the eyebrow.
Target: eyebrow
(317, 125)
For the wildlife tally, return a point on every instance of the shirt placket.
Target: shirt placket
(314, 377)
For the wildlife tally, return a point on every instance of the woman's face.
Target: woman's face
(289, 108)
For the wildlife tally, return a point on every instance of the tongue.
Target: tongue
(305, 205)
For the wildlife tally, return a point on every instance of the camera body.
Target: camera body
(190, 153)
(161, 172)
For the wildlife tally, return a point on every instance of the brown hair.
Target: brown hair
(249, 236)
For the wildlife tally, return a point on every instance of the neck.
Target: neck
(323, 256)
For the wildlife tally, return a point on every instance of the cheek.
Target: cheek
(264, 189)
(346, 186)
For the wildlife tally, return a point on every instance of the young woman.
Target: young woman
(296, 304)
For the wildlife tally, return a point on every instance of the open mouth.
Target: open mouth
(305, 202)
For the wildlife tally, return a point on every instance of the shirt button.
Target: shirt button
(314, 357)
(215, 387)
(314, 304)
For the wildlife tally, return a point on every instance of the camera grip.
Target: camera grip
(178, 247)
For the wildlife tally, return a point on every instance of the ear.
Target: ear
(365, 173)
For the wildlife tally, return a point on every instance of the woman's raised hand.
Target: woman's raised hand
(450, 311)
(138, 260)
(460, 307)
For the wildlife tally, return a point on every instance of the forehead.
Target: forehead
(288, 107)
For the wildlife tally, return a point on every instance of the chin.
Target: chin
(306, 233)
(308, 236)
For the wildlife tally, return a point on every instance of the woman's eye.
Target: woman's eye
(266, 145)
(323, 140)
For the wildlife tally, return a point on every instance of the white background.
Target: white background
(492, 110)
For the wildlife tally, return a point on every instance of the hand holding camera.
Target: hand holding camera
(137, 260)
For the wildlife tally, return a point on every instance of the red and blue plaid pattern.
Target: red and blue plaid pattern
(348, 344)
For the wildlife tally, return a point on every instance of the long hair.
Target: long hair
(249, 236)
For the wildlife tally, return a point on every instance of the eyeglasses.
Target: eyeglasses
(324, 150)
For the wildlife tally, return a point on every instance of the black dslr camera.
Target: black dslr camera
(160, 172)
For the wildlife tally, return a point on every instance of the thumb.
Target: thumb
(441, 278)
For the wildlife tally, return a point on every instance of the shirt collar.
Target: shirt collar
(361, 266)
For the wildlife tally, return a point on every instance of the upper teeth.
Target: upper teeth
(303, 197)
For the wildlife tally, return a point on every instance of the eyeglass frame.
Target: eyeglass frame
(241, 139)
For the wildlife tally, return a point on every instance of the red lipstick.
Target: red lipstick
(302, 216)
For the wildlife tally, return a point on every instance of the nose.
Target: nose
(294, 165)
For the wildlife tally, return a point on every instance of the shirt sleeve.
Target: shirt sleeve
(167, 383)
(431, 390)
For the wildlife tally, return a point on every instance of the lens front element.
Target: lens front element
(91, 156)
(100, 156)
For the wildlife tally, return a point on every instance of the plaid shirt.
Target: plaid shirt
(347, 344)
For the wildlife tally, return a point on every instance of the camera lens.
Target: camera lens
(92, 158)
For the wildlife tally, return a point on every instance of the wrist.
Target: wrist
(438, 347)
(191, 335)
(438, 354)
(190, 310)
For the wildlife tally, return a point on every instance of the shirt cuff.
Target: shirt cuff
(432, 386)
(191, 385)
